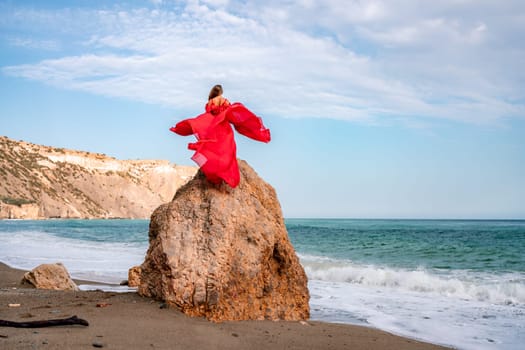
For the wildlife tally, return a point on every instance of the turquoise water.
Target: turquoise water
(128, 231)
(452, 282)
(489, 246)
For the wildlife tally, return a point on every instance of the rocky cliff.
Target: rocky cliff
(224, 253)
(45, 182)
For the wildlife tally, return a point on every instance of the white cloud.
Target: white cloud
(362, 61)
(30, 43)
(216, 3)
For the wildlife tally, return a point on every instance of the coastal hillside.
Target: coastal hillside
(45, 182)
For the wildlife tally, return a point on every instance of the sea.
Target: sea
(459, 283)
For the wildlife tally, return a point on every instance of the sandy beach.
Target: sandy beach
(128, 321)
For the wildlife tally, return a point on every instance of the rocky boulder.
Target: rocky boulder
(134, 276)
(50, 276)
(224, 253)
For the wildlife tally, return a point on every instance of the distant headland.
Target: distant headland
(39, 182)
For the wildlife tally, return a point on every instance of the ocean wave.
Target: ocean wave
(493, 288)
(95, 261)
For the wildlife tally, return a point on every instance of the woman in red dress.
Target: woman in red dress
(215, 149)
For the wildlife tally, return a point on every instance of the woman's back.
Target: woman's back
(216, 105)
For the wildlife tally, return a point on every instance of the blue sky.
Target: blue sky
(378, 109)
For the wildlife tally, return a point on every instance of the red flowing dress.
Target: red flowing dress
(215, 149)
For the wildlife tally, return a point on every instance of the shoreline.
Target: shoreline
(286, 218)
(71, 218)
(128, 321)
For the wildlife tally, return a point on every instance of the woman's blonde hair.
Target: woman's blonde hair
(215, 91)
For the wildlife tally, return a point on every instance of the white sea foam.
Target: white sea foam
(463, 324)
(461, 309)
(498, 289)
(107, 288)
(94, 261)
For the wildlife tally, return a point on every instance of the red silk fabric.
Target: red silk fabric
(215, 149)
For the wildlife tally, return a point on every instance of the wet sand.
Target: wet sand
(128, 321)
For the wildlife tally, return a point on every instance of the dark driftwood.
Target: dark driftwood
(46, 323)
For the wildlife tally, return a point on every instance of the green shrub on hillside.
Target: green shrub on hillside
(16, 201)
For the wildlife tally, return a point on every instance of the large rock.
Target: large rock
(224, 253)
(50, 276)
